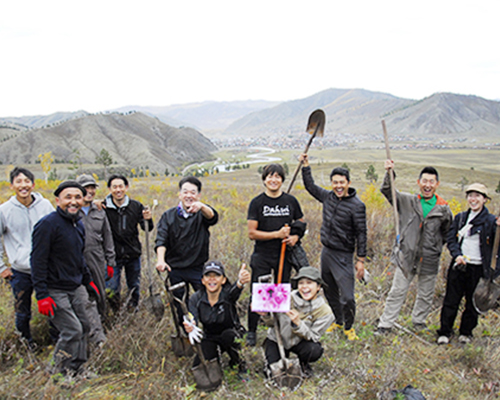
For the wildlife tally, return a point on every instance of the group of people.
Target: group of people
(73, 258)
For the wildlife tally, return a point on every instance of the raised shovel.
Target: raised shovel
(287, 371)
(153, 303)
(180, 342)
(487, 291)
(207, 374)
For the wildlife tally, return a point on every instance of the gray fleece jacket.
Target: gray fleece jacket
(315, 318)
(16, 226)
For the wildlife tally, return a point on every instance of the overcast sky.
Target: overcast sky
(96, 55)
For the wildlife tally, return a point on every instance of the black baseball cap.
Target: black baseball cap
(214, 266)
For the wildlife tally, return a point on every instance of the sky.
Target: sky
(97, 55)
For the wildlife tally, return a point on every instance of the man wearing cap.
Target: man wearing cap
(424, 220)
(99, 255)
(343, 232)
(60, 276)
(18, 215)
(470, 241)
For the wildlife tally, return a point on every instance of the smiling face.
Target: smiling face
(189, 194)
(89, 198)
(213, 282)
(23, 187)
(70, 200)
(340, 185)
(476, 201)
(428, 184)
(273, 183)
(118, 190)
(308, 289)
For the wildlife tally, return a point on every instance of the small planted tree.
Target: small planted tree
(371, 175)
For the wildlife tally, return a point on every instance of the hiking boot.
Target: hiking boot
(351, 334)
(334, 327)
(464, 339)
(443, 340)
(419, 327)
(251, 339)
(381, 331)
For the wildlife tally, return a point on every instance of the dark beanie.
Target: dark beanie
(69, 184)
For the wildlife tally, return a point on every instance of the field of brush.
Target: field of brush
(137, 361)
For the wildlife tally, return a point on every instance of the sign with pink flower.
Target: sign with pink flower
(271, 297)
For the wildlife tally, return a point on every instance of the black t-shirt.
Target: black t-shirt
(272, 214)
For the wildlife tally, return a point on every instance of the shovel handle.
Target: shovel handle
(391, 177)
(282, 261)
(494, 252)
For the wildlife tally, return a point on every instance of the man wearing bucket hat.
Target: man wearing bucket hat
(470, 241)
(302, 327)
(99, 255)
(60, 276)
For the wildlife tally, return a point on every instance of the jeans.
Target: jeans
(132, 267)
(22, 287)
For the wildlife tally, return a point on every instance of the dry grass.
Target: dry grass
(137, 361)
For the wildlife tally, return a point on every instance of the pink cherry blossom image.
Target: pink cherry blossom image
(271, 297)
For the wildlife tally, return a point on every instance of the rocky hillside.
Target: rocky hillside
(132, 140)
(358, 111)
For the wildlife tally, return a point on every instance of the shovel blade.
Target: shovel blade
(486, 295)
(181, 346)
(286, 373)
(155, 306)
(316, 123)
(208, 375)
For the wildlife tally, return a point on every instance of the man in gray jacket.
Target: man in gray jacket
(424, 220)
(99, 255)
(17, 217)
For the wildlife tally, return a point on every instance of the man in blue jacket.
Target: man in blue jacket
(60, 276)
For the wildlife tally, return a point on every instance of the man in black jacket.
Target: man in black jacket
(183, 237)
(60, 275)
(124, 214)
(343, 231)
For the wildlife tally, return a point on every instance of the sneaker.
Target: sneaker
(307, 370)
(251, 339)
(334, 327)
(463, 339)
(351, 334)
(443, 340)
(381, 331)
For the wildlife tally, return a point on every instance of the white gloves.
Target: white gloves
(196, 334)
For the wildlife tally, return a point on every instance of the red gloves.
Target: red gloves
(93, 287)
(47, 306)
(111, 271)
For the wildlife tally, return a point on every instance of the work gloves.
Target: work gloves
(92, 288)
(111, 271)
(47, 306)
(196, 334)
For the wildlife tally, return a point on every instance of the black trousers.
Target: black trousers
(226, 342)
(337, 270)
(306, 350)
(458, 285)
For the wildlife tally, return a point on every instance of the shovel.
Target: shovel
(487, 291)
(285, 372)
(207, 374)
(180, 342)
(315, 127)
(153, 303)
(397, 256)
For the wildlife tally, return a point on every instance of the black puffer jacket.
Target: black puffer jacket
(344, 219)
